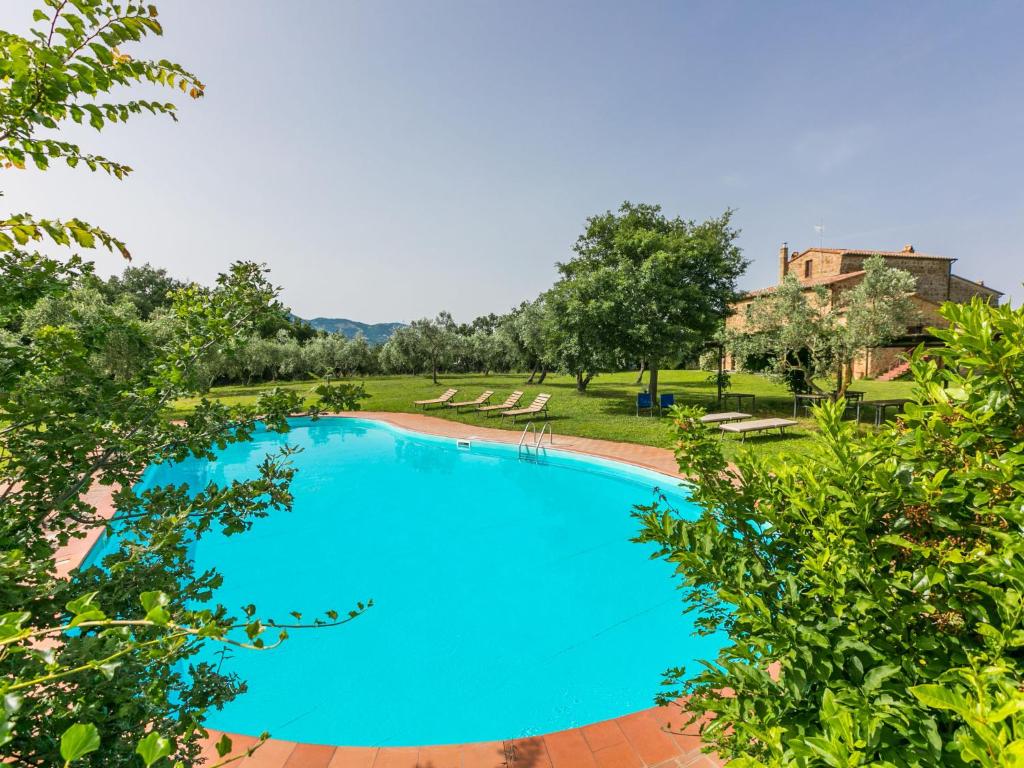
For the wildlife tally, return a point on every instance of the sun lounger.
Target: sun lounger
(444, 398)
(510, 402)
(757, 425)
(484, 397)
(719, 418)
(539, 405)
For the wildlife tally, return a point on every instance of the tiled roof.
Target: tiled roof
(871, 252)
(812, 283)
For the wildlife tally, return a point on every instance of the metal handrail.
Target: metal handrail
(522, 437)
(538, 439)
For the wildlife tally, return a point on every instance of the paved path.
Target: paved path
(650, 738)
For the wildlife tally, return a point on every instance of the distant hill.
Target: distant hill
(376, 333)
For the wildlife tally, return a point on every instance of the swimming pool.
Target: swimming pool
(508, 598)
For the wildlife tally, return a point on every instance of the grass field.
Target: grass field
(606, 410)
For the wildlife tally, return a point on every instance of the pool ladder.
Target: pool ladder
(535, 439)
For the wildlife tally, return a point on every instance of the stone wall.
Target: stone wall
(823, 264)
(877, 361)
(928, 316)
(932, 274)
(738, 320)
(962, 290)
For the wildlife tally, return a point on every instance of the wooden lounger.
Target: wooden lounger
(484, 397)
(539, 404)
(757, 425)
(444, 398)
(510, 402)
(718, 418)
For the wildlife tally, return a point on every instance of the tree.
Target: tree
(870, 594)
(97, 668)
(525, 330)
(432, 340)
(580, 332)
(877, 310)
(646, 287)
(805, 337)
(121, 343)
(325, 354)
(360, 358)
(147, 287)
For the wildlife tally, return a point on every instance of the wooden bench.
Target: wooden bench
(718, 418)
(758, 425)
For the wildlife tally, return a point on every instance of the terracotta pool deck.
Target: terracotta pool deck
(659, 459)
(651, 738)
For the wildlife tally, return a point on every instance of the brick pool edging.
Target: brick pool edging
(650, 738)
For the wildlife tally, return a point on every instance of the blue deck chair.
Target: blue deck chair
(644, 403)
(666, 401)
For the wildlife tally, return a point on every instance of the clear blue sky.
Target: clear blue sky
(389, 160)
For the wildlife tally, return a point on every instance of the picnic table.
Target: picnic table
(852, 396)
(880, 407)
(809, 398)
(740, 396)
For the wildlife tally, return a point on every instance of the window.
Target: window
(808, 268)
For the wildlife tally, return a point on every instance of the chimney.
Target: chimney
(908, 248)
(783, 261)
(981, 283)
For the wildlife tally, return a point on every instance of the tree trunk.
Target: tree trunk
(721, 372)
(532, 374)
(582, 381)
(652, 382)
(640, 374)
(840, 386)
(543, 375)
(434, 370)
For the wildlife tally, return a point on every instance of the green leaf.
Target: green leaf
(875, 676)
(152, 748)
(79, 740)
(223, 745)
(151, 600)
(1011, 707)
(11, 623)
(939, 697)
(82, 604)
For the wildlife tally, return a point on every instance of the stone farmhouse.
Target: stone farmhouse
(840, 269)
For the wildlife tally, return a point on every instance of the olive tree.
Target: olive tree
(524, 334)
(807, 336)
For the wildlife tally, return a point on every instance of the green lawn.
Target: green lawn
(607, 410)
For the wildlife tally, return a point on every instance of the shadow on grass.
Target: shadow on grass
(765, 438)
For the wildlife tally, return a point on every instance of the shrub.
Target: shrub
(870, 594)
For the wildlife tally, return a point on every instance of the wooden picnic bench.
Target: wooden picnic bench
(757, 425)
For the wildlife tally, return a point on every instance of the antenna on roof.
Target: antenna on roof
(820, 229)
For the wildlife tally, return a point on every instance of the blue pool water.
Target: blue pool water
(509, 600)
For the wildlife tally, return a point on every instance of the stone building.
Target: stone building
(840, 269)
